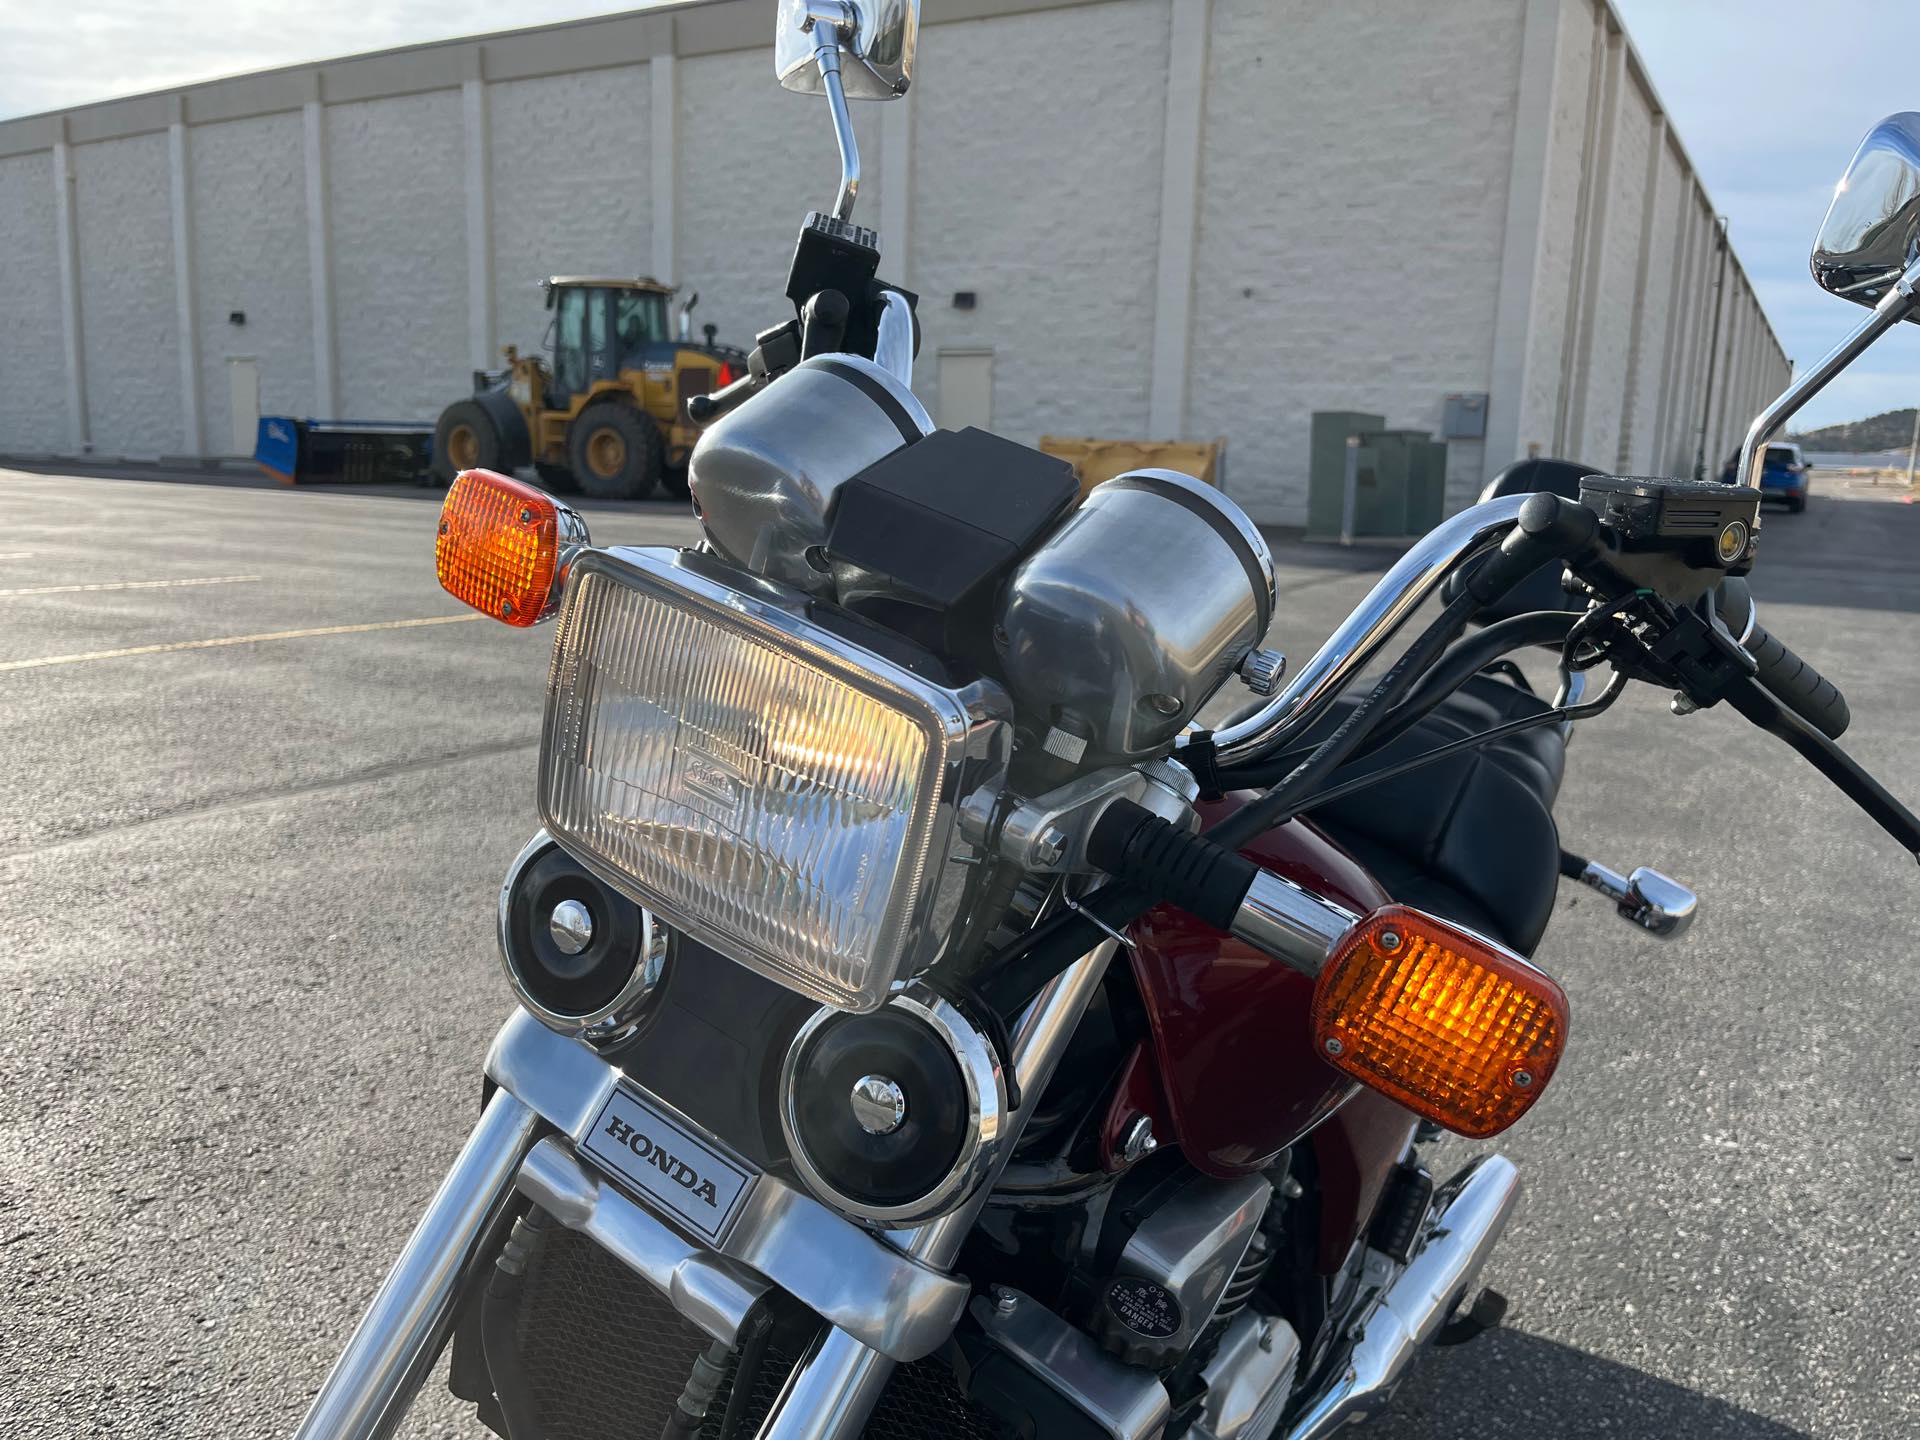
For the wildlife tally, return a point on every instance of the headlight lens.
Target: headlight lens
(775, 791)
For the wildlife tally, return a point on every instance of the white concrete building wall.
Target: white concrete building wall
(1561, 206)
(396, 174)
(33, 416)
(1350, 226)
(248, 195)
(1656, 322)
(1602, 374)
(129, 329)
(572, 179)
(1178, 218)
(1057, 241)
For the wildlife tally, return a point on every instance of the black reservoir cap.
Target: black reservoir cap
(939, 524)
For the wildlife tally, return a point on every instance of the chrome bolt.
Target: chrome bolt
(1267, 1335)
(1523, 1079)
(571, 926)
(444, 527)
(1005, 1301)
(879, 1104)
(1051, 847)
(1389, 940)
(1291, 1188)
(1162, 704)
(1137, 1140)
(1334, 1047)
(506, 608)
(526, 517)
(1682, 705)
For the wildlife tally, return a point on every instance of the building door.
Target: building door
(243, 394)
(966, 389)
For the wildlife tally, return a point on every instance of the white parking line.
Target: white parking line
(124, 585)
(46, 660)
(17, 555)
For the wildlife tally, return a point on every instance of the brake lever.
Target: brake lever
(1755, 702)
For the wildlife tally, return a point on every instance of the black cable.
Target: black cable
(499, 1324)
(1276, 807)
(1453, 747)
(746, 1373)
(1460, 664)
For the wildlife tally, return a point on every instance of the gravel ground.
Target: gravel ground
(247, 976)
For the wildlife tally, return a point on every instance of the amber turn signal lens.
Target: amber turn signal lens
(499, 546)
(1460, 1030)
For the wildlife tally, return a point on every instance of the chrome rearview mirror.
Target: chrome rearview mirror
(846, 50)
(876, 40)
(1871, 235)
(1867, 251)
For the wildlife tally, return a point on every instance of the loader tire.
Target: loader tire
(465, 439)
(555, 479)
(616, 453)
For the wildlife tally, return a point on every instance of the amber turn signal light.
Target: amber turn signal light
(1459, 1029)
(501, 546)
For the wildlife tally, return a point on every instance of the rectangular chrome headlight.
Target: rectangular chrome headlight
(774, 789)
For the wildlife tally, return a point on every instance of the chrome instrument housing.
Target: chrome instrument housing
(764, 475)
(1135, 611)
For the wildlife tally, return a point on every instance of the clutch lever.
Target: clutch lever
(1758, 704)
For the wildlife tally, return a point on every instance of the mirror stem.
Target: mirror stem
(1894, 307)
(827, 57)
(893, 351)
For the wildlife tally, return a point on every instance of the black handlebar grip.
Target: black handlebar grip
(704, 409)
(1798, 686)
(1138, 848)
(1790, 680)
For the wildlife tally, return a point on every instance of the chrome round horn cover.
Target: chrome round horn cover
(985, 1123)
(572, 934)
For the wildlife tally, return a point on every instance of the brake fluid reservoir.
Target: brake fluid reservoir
(1123, 624)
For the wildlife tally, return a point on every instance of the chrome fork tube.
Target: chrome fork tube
(375, 1378)
(834, 1389)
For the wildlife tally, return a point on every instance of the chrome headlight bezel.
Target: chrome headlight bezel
(966, 732)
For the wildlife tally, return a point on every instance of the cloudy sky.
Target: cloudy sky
(1769, 96)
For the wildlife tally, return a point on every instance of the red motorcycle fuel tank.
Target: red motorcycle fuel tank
(1232, 1040)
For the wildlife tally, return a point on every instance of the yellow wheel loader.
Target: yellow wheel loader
(607, 414)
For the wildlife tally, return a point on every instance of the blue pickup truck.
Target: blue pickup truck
(1786, 475)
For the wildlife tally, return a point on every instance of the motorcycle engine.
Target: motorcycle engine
(1111, 619)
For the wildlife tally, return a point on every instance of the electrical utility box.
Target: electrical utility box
(1398, 479)
(1327, 467)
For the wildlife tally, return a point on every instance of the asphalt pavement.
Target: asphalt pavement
(263, 779)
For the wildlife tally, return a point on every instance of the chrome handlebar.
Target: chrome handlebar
(1416, 575)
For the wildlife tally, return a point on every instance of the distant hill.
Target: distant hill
(1891, 431)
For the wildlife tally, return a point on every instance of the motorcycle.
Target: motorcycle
(924, 1024)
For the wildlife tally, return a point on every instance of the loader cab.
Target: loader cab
(601, 327)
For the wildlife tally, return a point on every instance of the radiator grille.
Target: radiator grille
(606, 1356)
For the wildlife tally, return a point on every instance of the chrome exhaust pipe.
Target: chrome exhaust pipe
(1462, 1230)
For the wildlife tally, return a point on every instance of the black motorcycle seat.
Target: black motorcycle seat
(1470, 838)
